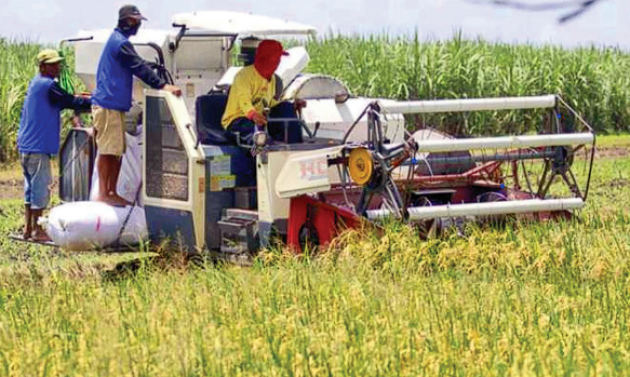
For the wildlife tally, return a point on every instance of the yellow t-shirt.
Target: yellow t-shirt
(248, 92)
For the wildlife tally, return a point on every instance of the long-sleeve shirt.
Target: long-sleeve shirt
(139, 67)
(249, 92)
(40, 123)
(63, 100)
(118, 64)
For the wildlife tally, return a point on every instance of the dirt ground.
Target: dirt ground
(612, 152)
(12, 183)
(10, 189)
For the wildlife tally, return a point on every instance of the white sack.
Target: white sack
(130, 177)
(89, 225)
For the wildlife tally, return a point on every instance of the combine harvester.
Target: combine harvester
(357, 163)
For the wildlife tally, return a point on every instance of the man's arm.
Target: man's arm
(64, 100)
(139, 67)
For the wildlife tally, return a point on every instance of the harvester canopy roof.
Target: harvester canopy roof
(237, 23)
(144, 36)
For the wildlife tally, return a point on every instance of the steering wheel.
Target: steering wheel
(311, 135)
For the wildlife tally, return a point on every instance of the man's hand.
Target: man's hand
(173, 89)
(76, 121)
(299, 104)
(258, 119)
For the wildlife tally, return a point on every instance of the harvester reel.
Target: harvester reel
(370, 171)
(370, 167)
(558, 165)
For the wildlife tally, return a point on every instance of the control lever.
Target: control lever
(261, 137)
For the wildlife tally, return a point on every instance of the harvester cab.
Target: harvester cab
(357, 162)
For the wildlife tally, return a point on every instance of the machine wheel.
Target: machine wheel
(427, 228)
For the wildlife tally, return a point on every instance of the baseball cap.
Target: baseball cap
(130, 11)
(272, 45)
(48, 57)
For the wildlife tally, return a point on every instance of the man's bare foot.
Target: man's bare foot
(41, 236)
(27, 234)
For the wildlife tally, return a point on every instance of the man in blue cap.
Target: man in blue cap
(38, 137)
(112, 97)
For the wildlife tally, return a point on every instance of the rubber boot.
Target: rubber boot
(39, 234)
(28, 223)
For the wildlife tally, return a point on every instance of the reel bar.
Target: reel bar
(476, 104)
(501, 157)
(484, 209)
(527, 141)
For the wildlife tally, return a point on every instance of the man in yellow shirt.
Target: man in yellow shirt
(253, 91)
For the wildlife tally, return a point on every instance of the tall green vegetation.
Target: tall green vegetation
(594, 81)
(17, 66)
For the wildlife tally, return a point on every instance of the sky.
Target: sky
(607, 24)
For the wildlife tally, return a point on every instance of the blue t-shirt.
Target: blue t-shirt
(40, 122)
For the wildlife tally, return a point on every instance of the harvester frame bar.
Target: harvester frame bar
(474, 104)
(485, 209)
(499, 157)
(526, 141)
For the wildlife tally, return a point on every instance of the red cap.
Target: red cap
(273, 46)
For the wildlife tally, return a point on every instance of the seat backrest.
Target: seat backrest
(209, 110)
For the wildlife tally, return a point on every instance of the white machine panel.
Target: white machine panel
(310, 86)
(307, 172)
(335, 119)
(199, 54)
(88, 53)
(290, 67)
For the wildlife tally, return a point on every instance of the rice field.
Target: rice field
(528, 299)
(546, 299)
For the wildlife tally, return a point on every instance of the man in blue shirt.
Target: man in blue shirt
(118, 64)
(38, 137)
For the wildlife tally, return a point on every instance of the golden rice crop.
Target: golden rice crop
(548, 299)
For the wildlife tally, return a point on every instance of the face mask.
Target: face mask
(267, 59)
(134, 30)
(130, 30)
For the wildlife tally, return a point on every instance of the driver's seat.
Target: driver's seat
(209, 110)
